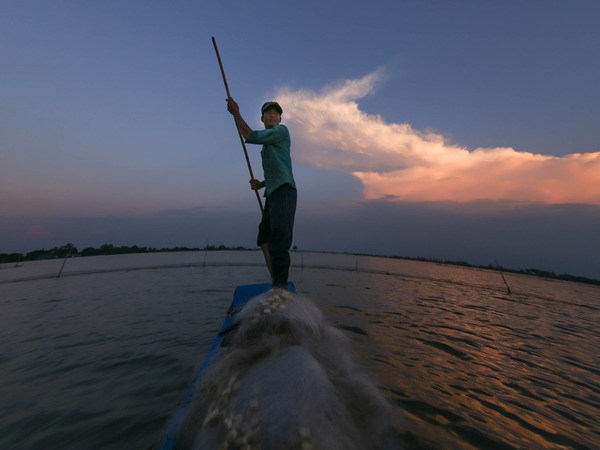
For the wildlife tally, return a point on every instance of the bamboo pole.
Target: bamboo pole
(264, 247)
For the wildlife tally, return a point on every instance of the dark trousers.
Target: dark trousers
(277, 229)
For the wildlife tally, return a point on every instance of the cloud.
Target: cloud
(395, 161)
(557, 238)
(37, 231)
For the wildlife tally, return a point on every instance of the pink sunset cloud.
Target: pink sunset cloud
(396, 161)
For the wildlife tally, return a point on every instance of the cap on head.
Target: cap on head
(271, 105)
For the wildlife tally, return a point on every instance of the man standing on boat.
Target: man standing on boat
(277, 225)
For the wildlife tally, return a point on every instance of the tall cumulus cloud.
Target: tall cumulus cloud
(395, 161)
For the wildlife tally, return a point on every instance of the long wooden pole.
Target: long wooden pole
(264, 247)
(503, 279)
(240, 135)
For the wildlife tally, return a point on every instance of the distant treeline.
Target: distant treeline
(69, 250)
(534, 272)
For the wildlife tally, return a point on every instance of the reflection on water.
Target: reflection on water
(476, 367)
(100, 360)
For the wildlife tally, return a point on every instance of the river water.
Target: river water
(100, 357)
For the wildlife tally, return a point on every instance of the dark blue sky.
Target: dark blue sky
(112, 113)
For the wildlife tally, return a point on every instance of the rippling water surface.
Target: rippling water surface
(99, 357)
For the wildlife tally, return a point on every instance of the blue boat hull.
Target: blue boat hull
(242, 295)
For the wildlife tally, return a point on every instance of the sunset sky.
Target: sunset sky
(451, 130)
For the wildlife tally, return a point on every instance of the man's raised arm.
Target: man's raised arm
(242, 126)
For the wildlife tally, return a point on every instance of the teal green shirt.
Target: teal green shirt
(276, 159)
